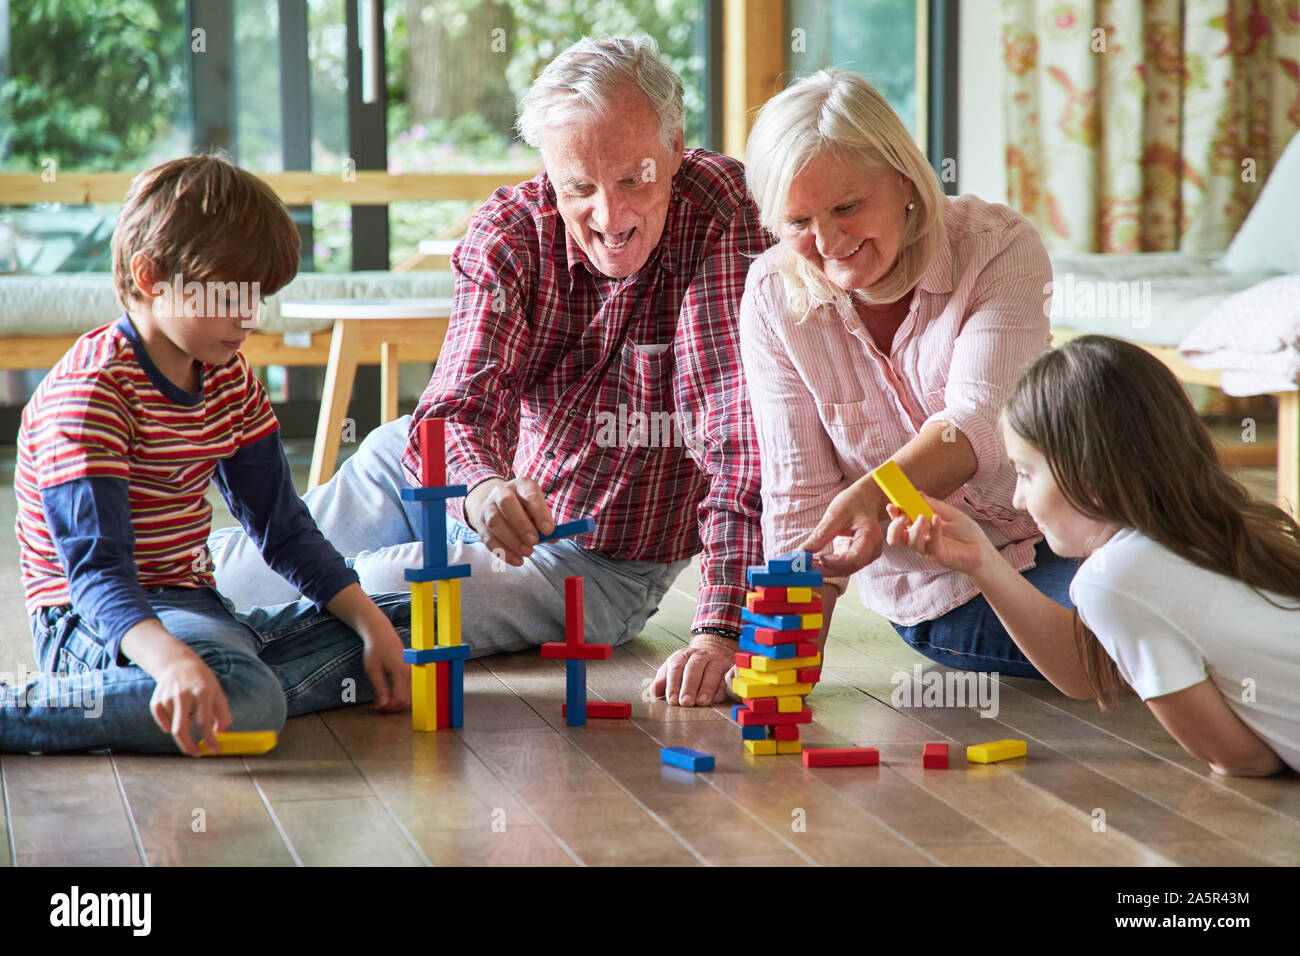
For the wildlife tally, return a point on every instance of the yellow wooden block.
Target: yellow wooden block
(789, 705)
(777, 677)
(789, 746)
(449, 612)
(770, 665)
(900, 491)
(798, 595)
(423, 619)
(762, 747)
(996, 750)
(424, 697)
(242, 743)
(754, 688)
(810, 622)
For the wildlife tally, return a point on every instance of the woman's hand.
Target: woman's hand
(854, 514)
(952, 540)
(697, 676)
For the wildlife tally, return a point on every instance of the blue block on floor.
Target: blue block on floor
(685, 758)
(575, 695)
(760, 577)
(569, 528)
(441, 493)
(777, 622)
(792, 562)
(434, 655)
(456, 680)
(775, 651)
(756, 732)
(438, 574)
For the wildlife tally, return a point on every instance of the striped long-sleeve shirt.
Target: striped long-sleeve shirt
(829, 406)
(113, 464)
(622, 398)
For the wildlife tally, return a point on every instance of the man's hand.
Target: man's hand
(854, 514)
(696, 676)
(509, 516)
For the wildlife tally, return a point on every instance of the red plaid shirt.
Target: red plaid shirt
(622, 398)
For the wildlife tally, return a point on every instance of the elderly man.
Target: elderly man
(591, 367)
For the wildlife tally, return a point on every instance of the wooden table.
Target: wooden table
(419, 325)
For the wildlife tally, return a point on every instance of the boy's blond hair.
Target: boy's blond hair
(205, 219)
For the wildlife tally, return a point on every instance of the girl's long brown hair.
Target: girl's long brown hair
(1126, 447)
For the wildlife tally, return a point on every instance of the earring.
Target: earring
(911, 204)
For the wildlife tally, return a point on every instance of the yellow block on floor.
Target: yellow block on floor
(996, 750)
(762, 747)
(756, 688)
(770, 665)
(424, 697)
(789, 746)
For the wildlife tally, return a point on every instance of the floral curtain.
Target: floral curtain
(1146, 126)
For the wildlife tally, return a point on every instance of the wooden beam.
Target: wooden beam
(753, 63)
(365, 188)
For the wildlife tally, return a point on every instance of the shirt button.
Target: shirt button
(573, 412)
(550, 456)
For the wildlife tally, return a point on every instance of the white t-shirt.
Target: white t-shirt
(1170, 624)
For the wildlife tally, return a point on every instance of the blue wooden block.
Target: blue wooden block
(441, 493)
(575, 693)
(438, 574)
(776, 651)
(435, 535)
(777, 622)
(792, 562)
(456, 683)
(433, 655)
(569, 528)
(736, 709)
(686, 758)
(756, 732)
(760, 577)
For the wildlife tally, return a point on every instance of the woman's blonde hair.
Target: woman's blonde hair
(837, 113)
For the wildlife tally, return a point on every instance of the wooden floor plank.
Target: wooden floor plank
(67, 805)
(200, 812)
(345, 831)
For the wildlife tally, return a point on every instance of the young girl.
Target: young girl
(1189, 589)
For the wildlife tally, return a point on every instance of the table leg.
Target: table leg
(388, 375)
(340, 373)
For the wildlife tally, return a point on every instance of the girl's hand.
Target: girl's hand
(952, 540)
(389, 675)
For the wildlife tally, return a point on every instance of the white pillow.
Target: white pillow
(1269, 239)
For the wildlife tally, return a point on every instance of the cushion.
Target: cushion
(1269, 240)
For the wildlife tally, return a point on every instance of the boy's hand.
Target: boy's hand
(389, 674)
(952, 540)
(188, 692)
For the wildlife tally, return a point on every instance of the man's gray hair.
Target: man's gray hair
(582, 79)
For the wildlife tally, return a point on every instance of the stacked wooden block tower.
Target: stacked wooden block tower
(778, 662)
(437, 652)
(575, 653)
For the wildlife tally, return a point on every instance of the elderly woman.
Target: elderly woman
(888, 322)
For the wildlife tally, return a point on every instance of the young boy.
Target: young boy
(116, 450)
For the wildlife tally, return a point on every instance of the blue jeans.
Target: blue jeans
(272, 663)
(503, 608)
(971, 637)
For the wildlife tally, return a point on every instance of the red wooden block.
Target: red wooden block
(743, 658)
(577, 652)
(841, 757)
(809, 675)
(786, 732)
(573, 609)
(444, 694)
(805, 649)
(747, 718)
(935, 756)
(767, 635)
(609, 710)
(760, 705)
(761, 606)
(433, 453)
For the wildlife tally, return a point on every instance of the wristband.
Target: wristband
(717, 631)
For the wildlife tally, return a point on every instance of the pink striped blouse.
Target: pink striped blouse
(829, 406)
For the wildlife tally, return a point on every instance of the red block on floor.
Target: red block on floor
(743, 658)
(609, 710)
(760, 705)
(747, 718)
(809, 675)
(841, 757)
(444, 694)
(786, 732)
(935, 756)
(577, 652)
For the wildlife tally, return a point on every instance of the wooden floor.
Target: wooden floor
(516, 786)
